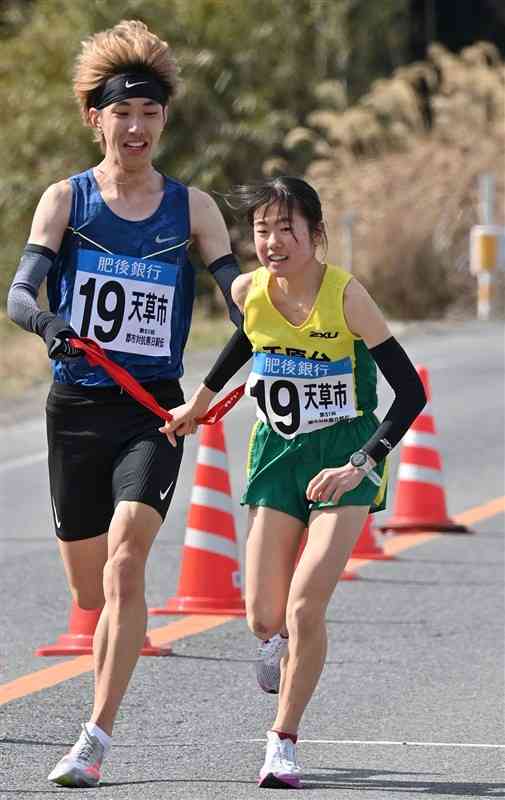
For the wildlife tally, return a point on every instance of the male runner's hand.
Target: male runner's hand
(56, 337)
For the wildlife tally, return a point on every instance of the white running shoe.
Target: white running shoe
(280, 770)
(268, 664)
(80, 767)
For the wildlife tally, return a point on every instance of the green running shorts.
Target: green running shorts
(279, 470)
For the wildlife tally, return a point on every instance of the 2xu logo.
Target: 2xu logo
(324, 335)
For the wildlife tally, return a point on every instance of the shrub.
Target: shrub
(406, 160)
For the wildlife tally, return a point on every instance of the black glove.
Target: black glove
(56, 332)
(60, 347)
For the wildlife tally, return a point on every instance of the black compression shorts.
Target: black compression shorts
(105, 447)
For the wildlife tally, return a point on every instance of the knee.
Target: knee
(264, 625)
(123, 576)
(303, 619)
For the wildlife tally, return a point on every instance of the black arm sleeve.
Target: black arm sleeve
(22, 306)
(410, 397)
(234, 355)
(224, 270)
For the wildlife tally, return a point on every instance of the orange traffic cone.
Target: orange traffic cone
(209, 581)
(420, 497)
(369, 543)
(78, 641)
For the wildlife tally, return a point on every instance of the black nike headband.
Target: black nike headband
(128, 85)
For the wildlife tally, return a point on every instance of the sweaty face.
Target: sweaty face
(132, 129)
(284, 246)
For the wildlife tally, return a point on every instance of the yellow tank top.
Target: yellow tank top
(312, 375)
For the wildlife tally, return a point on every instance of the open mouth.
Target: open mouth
(277, 259)
(136, 147)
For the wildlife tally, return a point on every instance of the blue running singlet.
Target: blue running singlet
(127, 285)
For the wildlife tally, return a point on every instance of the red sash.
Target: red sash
(95, 355)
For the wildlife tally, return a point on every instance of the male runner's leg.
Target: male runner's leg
(140, 479)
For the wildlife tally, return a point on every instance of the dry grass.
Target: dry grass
(407, 159)
(414, 215)
(23, 359)
(209, 332)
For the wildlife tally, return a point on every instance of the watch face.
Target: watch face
(358, 459)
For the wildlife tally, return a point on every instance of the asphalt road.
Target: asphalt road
(411, 700)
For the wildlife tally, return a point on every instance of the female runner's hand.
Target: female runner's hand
(330, 484)
(185, 416)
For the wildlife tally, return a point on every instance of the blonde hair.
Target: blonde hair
(129, 44)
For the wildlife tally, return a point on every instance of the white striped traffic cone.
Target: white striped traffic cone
(420, 496)
(209, 582)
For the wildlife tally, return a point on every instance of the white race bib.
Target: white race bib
(299, 395)
(124, 303)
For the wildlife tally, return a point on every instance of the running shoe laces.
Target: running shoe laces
(81, 766)
(268, 664)
(84, 748)
(280, 769)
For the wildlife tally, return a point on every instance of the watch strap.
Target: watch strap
(373, 476)
(368, 469)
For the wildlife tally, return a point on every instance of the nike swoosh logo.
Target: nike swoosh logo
(159, 240)
(138, 83)
(164, 494)
(58, 521)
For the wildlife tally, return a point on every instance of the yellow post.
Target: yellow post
(487, 245)
(485, 255)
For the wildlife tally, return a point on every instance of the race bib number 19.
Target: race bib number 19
(124, 303)
(299, 395)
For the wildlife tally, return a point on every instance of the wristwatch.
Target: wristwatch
(361, 461)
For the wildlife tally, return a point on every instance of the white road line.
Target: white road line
(386, 742)
(23, 461)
